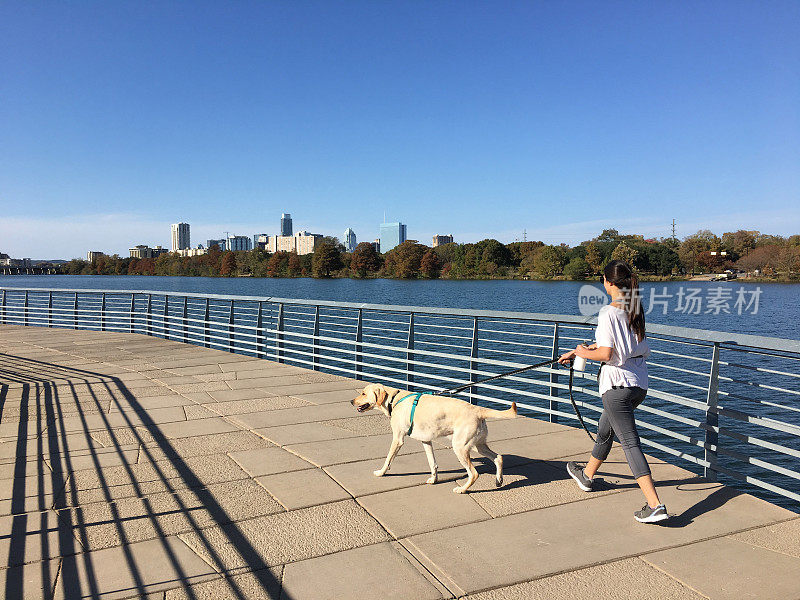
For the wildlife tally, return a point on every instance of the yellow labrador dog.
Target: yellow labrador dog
(436, 416)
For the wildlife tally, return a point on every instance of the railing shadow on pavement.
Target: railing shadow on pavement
(53, 392)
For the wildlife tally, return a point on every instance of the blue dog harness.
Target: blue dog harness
(417, 396)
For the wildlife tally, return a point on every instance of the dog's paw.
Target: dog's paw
(379, 473)
(431, 480)
(459, 490)
(498, 481)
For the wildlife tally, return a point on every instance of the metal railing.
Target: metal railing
(725, 403)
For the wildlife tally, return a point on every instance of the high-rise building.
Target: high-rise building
(180, 236)
(218, 243)
(261, 240)
(392, 234)
(92, 256)
(144, 251)
(286, 224)
(302, 243)
(349, 240)
(377, 245)
(441, 240)
(236, 243)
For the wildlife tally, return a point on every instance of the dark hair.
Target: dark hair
(621, 275)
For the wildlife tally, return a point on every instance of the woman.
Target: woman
(621, 345)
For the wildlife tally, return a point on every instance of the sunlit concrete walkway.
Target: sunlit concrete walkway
(136, 467)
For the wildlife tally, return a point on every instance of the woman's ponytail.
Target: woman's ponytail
(621, 275)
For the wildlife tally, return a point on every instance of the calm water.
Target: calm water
(777, 315)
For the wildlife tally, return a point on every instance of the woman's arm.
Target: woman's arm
(593, 352)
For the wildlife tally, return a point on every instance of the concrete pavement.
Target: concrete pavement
(133, 466)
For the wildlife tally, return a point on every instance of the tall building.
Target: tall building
(377, 245)
(441, 240)
(180, 236)
(286, 224)
(92, 256)
(239, 242)
(349, 240)
(302, 243)
(392, 234)
(261, 240)
(218, 243)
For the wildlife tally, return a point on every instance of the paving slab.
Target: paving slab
(350, 449)
(301, 489)
(266, 383)
(782, 537)
(545, 543)
(227, 395)
(238, 407)
(729, 569)
(259, 585)
(283, 435)
(196, 427)
(288, 537)
(289, 416)
(630, 579)
(302, 389)
(407, 470)
(33, 537)
(422, 508)
(345, 395)
(140, 568)
(371, 572)
(33, 581)
(266, 461)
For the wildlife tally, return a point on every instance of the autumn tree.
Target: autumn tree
(295, 267)
(429, 265)
(228, 266)
(594, 258)
(364, 260)
(624, 253)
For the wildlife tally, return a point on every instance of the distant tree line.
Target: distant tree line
(702, 252)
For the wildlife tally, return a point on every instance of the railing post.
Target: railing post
(25, 310)
(132, 315)
(103, 312)
(359, 335)
(149, 315)
(409, 354)
(279, 335)
(712, 418)
(260, 349)
(165, 318)
(3, 307)
(75, 312)
(185, 316)
(315, 340)
(473, 353)
(554, 378)
(230, 328)
(50, 309)
(206, 316)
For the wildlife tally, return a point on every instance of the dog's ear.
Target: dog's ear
(380, 395)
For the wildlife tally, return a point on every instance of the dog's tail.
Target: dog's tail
(490, 413)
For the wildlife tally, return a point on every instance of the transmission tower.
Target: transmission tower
(673, 229)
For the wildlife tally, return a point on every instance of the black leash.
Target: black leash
(461, 388)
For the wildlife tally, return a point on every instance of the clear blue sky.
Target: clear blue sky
(472, 118)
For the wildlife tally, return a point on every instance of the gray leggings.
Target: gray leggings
(617, 418)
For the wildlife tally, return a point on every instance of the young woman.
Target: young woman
(622, 347)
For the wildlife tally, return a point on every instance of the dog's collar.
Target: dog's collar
(390, 402)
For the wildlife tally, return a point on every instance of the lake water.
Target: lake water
(777, 313)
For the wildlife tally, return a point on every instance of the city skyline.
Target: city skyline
(476, 120)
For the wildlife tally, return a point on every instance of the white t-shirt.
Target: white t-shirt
(613, 331)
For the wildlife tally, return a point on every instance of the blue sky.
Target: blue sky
(472, 118)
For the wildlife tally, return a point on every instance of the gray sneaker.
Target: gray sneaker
(576, 472)
(651, 515)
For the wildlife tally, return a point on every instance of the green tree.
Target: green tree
(548, 262)
(594, 257)
(577, 269)
(624, 253)
(327, 258)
